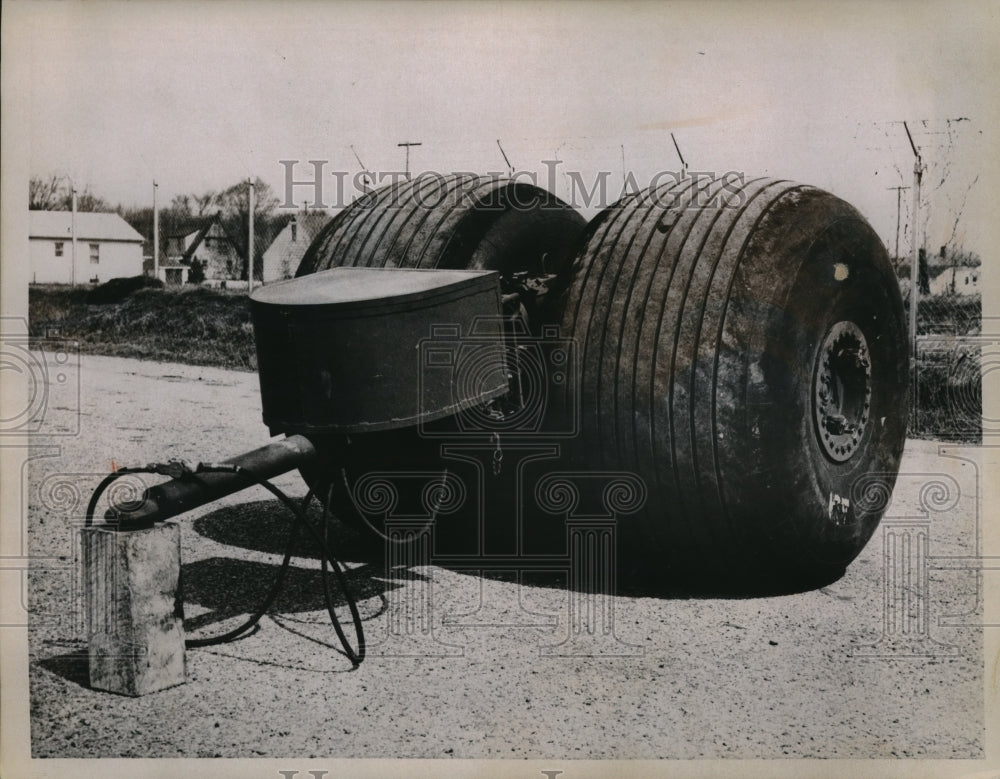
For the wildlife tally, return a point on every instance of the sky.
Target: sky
(199, 96)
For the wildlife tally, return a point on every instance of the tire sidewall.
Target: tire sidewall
(807, 479)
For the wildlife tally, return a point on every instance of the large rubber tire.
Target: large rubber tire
(459, 221)
(702, 316)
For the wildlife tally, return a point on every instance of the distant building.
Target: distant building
(107, 247)
(207, 242)
(959, 280)
(172, 272)
(282, 257)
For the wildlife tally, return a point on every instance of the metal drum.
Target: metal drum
(351, 350)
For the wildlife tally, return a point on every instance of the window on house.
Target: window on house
(294, 230)
(95, 253)
(59, 248)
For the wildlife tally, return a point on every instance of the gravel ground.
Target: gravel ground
(810, 675)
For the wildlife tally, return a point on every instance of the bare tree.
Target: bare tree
(181, 205)
(234, 205)
(55, 193)
(45, 193)
(205, 202)
(946, 186)
(88, 201)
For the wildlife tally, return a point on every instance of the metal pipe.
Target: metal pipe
(174, 497)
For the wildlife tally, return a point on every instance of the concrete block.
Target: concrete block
(134, 610)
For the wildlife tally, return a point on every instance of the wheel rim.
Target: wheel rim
(842, 391)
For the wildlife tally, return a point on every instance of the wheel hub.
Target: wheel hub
(842, 391)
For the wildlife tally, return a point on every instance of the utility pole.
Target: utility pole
(250, 246)
(918, 172)
(899, 193)
(72, 230)
(156, 235)
(407, 145)
(624, 177)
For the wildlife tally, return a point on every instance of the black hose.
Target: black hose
(342, 581)
(265, 604)
(355, 656)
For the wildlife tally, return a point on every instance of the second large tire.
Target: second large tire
(742, 350)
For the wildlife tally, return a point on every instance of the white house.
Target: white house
(961, 280)
(282, 257)
(107, 247)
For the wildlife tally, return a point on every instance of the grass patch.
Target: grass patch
(949, 315)
(949, 392)
(193, 325)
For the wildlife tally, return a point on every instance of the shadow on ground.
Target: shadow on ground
(72, 666)
(227, 587)
(264, 526)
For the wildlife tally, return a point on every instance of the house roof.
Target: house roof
(203, 226)
(90, 226)
(197, 224)
(949, 273)
(312, 222)
(189, 253)
(309, 224)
